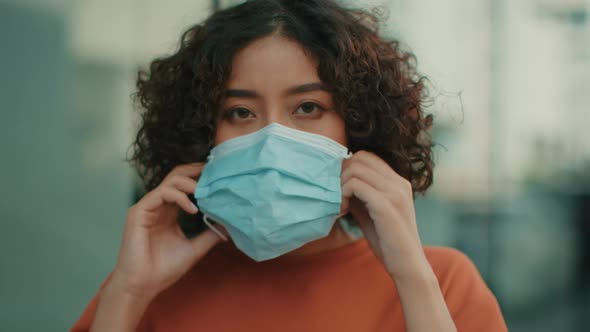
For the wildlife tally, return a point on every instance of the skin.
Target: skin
(273, 80)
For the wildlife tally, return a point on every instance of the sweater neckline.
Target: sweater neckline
(356, 248)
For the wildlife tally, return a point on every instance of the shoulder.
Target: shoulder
(450, 264)
(471, 303)
(454, 270)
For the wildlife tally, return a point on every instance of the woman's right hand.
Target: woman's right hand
(154, 252)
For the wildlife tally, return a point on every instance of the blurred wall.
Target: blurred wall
(64, 190)
(67, 74)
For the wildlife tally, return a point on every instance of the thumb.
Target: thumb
(203, 242)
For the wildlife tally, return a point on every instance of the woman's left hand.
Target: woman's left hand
(381, 201)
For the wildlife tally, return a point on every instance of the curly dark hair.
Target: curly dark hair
(374, 84)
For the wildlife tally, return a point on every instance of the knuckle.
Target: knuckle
(353, 168)
(133, 212)
(406, 185)
(175, 180)
(363, 153)
(158, 190)
(179, 167)
(163, 191)
(355, 182)
(193, 166)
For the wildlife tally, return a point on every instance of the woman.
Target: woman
(254, 116)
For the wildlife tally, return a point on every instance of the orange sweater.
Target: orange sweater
(344, 289)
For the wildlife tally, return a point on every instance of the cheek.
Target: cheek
(331, 125)
(335, 128)
(223, 133)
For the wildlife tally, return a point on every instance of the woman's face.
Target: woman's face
(273, 80)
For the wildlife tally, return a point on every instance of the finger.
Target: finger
(374, 162)
(379, 208)
(203, 242)
(367, 174)
(399, 185)
(373, 199)
(370, 232)
(182, 183)
(167, 195)
(190, 170)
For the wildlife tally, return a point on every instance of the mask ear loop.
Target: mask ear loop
(338, 217)
(206, 221)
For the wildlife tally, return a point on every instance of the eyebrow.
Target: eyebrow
(308, 87)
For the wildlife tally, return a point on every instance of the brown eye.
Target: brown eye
(238, 113)
(308, 108)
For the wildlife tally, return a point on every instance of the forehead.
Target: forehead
(272, 61)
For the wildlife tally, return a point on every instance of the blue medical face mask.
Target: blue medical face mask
(273, 190)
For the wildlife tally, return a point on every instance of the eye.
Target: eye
(238, 113)
(308, 108)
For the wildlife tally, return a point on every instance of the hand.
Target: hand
(381, 202)
(154, 252)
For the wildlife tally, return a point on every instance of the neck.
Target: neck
(337, 238)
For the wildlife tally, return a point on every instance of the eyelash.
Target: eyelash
(320, 108)
(231, 113)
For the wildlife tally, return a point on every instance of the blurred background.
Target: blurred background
(512, 182)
